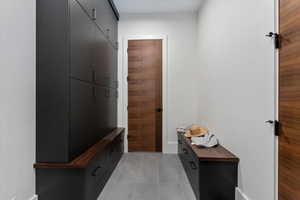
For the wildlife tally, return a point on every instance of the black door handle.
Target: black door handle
(159, 109)
(185, 151)
(193, 165)
(95, 172)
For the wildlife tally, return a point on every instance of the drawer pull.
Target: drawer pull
(185, 151)
(193, 165)
(95, 172)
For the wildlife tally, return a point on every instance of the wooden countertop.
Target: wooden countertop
(84, 159)
(218, 154)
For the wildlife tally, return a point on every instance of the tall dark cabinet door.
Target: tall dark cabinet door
(100, 57)
(112, 106)
(115, 108)
(113, 26)
(83, 133)
(103, 10)
(103, 111)
(115, 68)
(82, 38)
(106, 19)
(112, 59)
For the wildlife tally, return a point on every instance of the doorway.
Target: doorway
(289, 98)
(145, 95)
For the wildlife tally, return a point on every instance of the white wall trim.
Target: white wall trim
(167, 147)
(34, 197)
(239, 195)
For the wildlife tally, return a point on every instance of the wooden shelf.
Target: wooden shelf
(218, 154)
(84, 159)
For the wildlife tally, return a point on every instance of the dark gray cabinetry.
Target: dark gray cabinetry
(76, 72)
(78, 143)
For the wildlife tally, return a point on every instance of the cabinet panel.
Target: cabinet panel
(106, 19)
(83, 115)
(101, 55)
(113, 66)
(102, 111)
(94, 176)
(82, 38)
(112, 105)
(102, 9)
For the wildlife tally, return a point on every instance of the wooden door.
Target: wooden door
(289, 101)
(145, 95)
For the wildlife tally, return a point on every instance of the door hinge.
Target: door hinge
(276, 38)
(276, 126)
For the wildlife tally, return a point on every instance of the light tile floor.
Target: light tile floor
(148, 176)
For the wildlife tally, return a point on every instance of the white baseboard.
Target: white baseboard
(170, 148)
(239, 195)
(34, 197)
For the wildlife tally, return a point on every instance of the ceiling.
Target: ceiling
(156, 6)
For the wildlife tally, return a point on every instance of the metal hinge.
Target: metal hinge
(276, 126)
(276, 38)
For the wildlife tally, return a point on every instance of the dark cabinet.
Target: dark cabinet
(76, 108)
(76, 71)
(84, 180)
(83, 118)
(101, 60)
(82, 31)
(212, 172)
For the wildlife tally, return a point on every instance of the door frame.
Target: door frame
(123, 73)
(277, 68)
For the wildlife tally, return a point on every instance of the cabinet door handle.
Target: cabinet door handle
(107, 32)
(185, 151)
(94, 92)
(94, 13)
(193, 165)
(95, 172)
(94, 76)
(107, 93)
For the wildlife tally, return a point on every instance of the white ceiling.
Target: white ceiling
(156, 6)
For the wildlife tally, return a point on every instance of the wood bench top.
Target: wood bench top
(218, 154)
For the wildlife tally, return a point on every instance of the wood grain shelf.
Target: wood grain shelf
(218, 154)
(84, 159)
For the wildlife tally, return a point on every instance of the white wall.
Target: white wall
(236, 66)
(181, 29)
(17, 99)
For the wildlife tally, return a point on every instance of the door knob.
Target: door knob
(159, 109)
(270, 122)
(276, 126)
